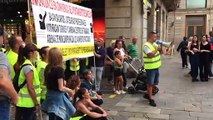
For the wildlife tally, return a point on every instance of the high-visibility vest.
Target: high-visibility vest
(12, 57)
(151, 62)
(25, 99)
(74, 65)
(87, 61)
(42, 65)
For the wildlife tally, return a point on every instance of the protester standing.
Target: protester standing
(29, 94)
(152, 63)
(14, 42)
(98, 67)
(57, 103)
(43, 52)
(7, 92)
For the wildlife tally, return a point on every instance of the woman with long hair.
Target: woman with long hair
(29, 94)
(205, 50)
(84, 105)
(194, 58)
(119, 47)
(57, 103)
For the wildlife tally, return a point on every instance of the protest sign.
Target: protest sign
(64, 25)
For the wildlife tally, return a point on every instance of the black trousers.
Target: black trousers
(194, 59)
(25, 113)
(204, 67)
(184, 59)
(52, 116)
(90, 118)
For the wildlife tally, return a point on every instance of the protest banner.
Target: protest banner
(64, 25)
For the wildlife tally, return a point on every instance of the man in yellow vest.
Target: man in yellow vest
(152, 62)
(14, 42)
(72, 68)
(43, 52)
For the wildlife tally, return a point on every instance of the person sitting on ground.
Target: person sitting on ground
(85, 106)
(88, 84)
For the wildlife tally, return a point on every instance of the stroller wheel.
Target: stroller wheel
(155, 90)
(131, 90)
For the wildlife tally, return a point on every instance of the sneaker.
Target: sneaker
(146, 96)
(152, 103)
(210, 77)
(122, 92)
(117, 92)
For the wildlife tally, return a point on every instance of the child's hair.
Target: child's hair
(73, 82)
(116, 53)
(43, 51)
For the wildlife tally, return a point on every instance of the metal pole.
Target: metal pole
(29, 15)
(94, 71)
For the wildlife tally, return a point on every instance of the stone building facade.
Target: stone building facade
(137, 18)
(191, 18)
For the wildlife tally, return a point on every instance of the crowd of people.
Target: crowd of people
(62, 90)
(200, 54)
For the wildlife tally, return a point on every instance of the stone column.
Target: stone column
(124, 17)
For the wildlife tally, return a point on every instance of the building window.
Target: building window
(197, 4)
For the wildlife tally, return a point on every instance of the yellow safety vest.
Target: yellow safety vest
(12, 57)
(42, 65)
(87, 61)
(74, 65)
(25, 99)
(153, 62)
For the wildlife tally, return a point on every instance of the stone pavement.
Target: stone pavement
(178, 98)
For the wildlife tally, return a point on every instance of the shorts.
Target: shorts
(118, 72)
(152, 76)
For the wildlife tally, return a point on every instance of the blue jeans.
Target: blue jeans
(4, 109)
(97, 72)
(152, 76)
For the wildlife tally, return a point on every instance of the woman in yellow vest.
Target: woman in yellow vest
(43, 52)
(29, 94)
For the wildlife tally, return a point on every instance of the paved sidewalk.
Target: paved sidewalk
(178, 98)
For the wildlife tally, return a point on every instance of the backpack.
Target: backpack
(16, 78)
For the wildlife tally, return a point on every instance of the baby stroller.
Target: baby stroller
(139, 84)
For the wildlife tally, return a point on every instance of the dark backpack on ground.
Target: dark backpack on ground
(16, 78)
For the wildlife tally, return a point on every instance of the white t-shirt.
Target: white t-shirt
(121, 50)
(147, 50)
